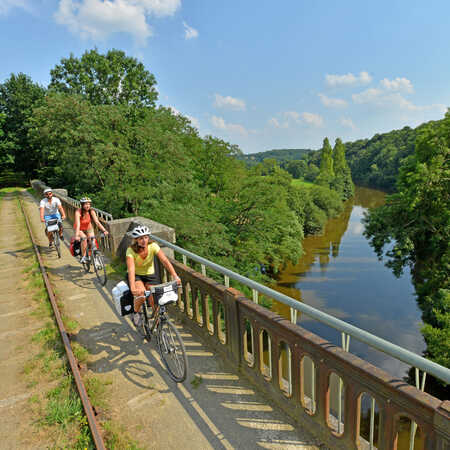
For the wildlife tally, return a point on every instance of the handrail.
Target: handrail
(408, 357)
(101, 214)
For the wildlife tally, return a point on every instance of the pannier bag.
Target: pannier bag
(123, 298)
(52, 225)
(75, 247)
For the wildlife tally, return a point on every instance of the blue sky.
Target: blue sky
(260, 74)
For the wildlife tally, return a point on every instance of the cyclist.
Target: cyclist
(51, 208)
(141, 269)
(83, 225)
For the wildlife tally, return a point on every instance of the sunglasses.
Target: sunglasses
(49, 193)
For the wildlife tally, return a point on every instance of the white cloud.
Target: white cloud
(229, 102)
(293, 118)
(7, 5)
(219, 123)
(397, 84)
(332, 102)
(348, 123)
(293, 115)
(312, 119)
(189, 32)
(367, 96)
(393, 100)
(97, 19)
(348, 79)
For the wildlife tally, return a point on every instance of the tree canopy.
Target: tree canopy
(111, 79)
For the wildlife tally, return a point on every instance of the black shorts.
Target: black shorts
(152, 279)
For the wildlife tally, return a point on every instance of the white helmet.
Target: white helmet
(140, 230)
(47, 190)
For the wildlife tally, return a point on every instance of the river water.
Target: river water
(341, 275)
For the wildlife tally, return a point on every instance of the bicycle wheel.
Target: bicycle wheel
(99, 267)
(172, 351)
(56, 243)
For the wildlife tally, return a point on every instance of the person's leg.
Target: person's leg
(58, 215)
(48, 234)
(83, 244)
(138, 304)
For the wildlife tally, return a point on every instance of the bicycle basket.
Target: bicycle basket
(52, 225)
(166, 294)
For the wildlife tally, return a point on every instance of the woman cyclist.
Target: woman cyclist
(141, 269)
(51, 208)
(84, 219)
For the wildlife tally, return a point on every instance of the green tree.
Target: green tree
(414, 225)
(342, 182)
(110, 79)
(18, 96)
(326, 174)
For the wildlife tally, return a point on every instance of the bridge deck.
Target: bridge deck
(214, 408)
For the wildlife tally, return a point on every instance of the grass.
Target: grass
(301, 183)
(196, 381)
(117, 270)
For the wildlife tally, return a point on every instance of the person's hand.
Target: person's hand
(106, 233)
(42, 220)
(63, 217)
(137, 292)
(178, 280)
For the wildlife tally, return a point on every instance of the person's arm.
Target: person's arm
(61, 210)
(41, 212)
(131, 276)
(77, 225)
(98, 223)
(168, 265)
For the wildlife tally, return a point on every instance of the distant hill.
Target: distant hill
(374, 162)
(282, 154)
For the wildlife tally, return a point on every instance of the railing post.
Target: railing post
(233, 325)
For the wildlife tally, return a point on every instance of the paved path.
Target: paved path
(223, 411)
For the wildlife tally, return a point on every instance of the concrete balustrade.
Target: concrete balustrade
(317, 383)
(394, 398)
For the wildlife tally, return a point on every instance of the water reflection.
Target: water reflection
(341, 275)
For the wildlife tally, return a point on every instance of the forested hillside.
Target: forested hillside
(281, 154)
(374, 162)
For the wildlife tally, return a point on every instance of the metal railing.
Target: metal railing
(76, 204)
(406, 356)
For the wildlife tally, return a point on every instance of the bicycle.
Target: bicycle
(95, 258)
(170, 344)
(53, 226)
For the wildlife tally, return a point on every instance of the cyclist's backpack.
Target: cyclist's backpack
(75, 247)
(123, 298)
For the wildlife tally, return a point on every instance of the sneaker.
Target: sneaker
(50, 244)
(61, 237)
(83, 259)
(137, 319)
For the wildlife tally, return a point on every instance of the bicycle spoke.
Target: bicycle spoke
(99, 267)
(172, 351)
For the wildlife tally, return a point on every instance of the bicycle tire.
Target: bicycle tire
(172, 350)
(99, 267)
(57, 243)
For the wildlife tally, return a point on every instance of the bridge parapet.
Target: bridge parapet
(321, 386)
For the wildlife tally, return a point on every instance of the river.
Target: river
(341, 275)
